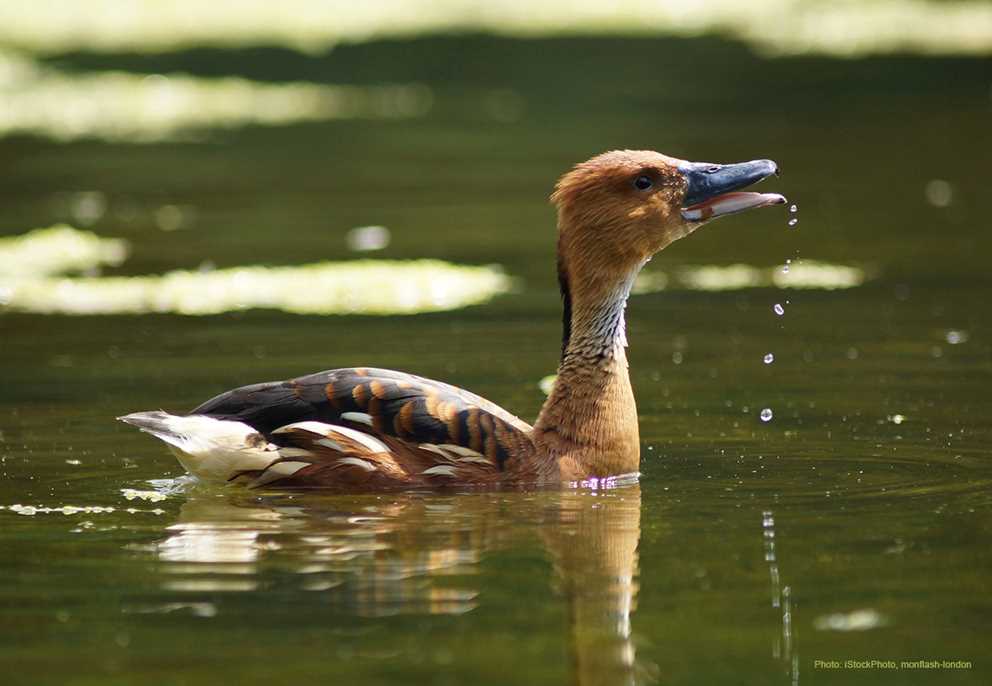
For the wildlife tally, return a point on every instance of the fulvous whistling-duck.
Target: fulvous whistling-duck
(365, 429)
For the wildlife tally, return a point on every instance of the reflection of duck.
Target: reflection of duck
(369, 429)
(595, 549)
(417, 554)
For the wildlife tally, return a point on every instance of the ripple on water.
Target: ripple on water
(858, 479)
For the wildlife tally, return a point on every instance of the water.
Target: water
(748, 551)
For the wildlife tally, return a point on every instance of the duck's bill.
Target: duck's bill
(730, 203)
(711, 189)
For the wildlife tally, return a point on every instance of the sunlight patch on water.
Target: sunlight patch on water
(381, 287)
(157, 107)
(58, 249)
(858, 620)
(31, 510)
(785, 26)
(201, 609)
(808, 274)
(150, 496)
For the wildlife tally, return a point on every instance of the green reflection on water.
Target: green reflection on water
(157, 107)
(955, 26)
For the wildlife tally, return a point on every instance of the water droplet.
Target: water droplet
(766, 415)
(955, 337)
(88, 207)
(547, 384)
(172, 218)
(785, 269)
(367, 238)
(769, 358)
(779, 310)
(793, 209)
(939, 193)
(793, 221)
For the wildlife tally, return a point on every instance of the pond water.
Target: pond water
(854, 524)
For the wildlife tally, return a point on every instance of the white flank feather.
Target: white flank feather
(434, 449)
(373, 444)
(440, 470)
(358, 462)
(459, 453)
(357, 417)
(280, 470)
(480, 459)
(294, 452)
(326, 432)
(460, 450)
(328, 443)
(319, 428)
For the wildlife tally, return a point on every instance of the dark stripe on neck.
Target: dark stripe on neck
(566, 303)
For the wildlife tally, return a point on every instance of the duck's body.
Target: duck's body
(374, 429)
(354, 428)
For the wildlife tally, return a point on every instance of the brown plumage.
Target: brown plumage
(375, 429)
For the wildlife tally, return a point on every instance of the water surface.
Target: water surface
(856, 524)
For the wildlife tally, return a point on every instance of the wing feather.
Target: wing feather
(393, 409)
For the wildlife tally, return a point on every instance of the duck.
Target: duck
(365, 429)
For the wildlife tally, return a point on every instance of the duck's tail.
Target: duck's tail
(214, 449)
(157, 423)
(226, 450)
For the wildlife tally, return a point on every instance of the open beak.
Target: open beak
(711, 188)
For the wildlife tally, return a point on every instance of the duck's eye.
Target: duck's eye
(642, 183)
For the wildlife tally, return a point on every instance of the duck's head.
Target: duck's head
(618, 209)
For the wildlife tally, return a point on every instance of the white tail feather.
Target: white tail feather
(209, 448)
(219, 450)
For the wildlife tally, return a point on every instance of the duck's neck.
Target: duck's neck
(589, 422)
